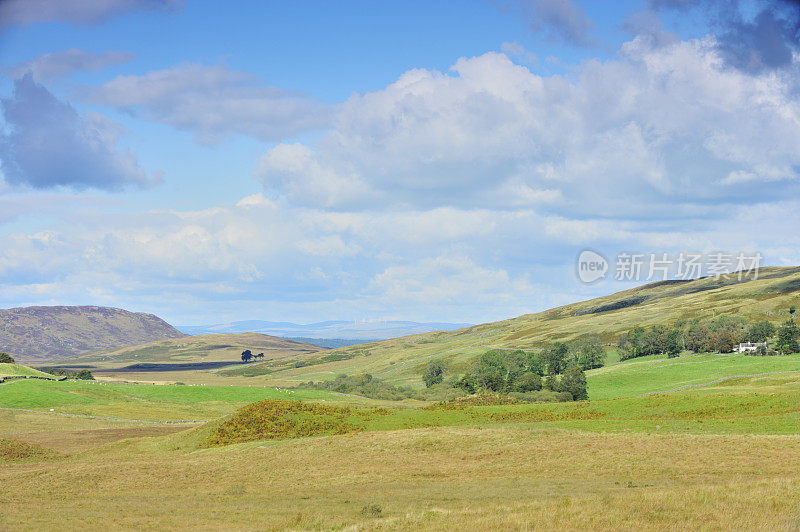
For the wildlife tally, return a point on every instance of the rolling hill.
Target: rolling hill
(402, 360)
(190, 358)
(42, 334)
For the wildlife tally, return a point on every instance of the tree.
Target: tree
(787, 338)
(574, 382)
(5, 358)
(467, 383)
(698, 338)
(552, 383)
(534, 363)
(528, 382)
(491, 372)
(588, 352)
(247, 355)
(260, 355)
(760, 332)
(674, 344)
(725, 341)
(85, 375)
(434, 373)
(555, 356)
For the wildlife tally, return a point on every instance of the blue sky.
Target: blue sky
(431, 161)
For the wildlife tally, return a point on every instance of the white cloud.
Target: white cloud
(47, 67)
(654, 133)
(84, 12)
(213, 102)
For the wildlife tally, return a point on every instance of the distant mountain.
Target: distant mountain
(328, 330)
(40, 334)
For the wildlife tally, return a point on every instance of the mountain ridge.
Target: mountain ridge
(46, 333)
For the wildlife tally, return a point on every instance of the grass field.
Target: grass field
(718, 456)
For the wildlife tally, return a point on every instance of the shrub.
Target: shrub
(5, 358)
(372, 510)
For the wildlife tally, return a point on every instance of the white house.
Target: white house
(744, 348)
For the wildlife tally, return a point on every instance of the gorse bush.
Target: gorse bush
(281, 419)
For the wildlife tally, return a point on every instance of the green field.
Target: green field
(718, 456)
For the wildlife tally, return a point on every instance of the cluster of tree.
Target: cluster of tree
(248, 355)
(522, 372)
(82, 375)
(722, 335)
(365, 385)
(5, 358)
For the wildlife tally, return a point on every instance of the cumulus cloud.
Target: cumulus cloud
(78, 12)
(212, 102)
(657, 132)
(558, 19)
(49, 144)
(47, 67)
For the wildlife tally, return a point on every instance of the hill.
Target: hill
(41, 334)
(402, 360)
(191, 358)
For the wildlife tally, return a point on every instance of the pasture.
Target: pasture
(119, 456)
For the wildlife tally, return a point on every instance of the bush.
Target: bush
(5, 358)
(371, 510)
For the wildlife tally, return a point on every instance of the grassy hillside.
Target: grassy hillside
(8, 370)
(42, 334)
(194, 359)
(402, 360)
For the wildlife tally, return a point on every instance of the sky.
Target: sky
(305, 161)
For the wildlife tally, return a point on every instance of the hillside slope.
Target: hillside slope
(193, 359)
(402, 360)
(41, 334)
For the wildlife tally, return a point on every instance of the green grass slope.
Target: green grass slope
(402, 360)
(12, 370)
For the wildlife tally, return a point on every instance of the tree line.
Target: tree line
(721, 335)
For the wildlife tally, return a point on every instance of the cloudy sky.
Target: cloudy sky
(302, 161)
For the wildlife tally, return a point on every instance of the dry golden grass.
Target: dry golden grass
(511, 477)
